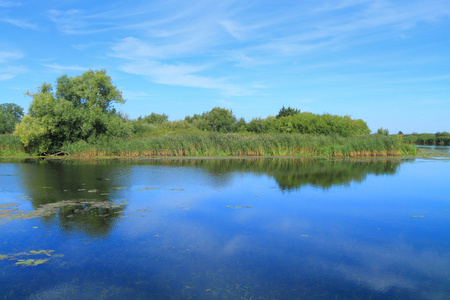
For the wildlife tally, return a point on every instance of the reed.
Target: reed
(11, 146)
(219, 145)
(439, 138)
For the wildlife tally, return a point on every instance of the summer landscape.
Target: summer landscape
(232, 150)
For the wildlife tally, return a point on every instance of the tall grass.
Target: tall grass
(11, 146)
(244, 145)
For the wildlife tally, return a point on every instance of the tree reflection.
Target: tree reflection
(83, 195)
(292, 173)
(80, 195)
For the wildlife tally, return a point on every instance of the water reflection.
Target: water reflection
(293, 173)
(82, 196)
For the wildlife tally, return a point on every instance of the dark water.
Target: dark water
(225, 229)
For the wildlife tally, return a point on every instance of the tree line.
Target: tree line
(82, 108)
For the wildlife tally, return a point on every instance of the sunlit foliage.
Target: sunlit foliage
(81, 109)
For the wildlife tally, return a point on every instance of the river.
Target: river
(225, 229)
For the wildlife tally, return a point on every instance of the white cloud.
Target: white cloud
(181, 75)
(19, 23)
(58, 67)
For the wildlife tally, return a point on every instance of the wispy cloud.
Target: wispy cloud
(132, 95)
(20, 23)
(233, 28)
(319, 28)
(6, 3)
(158, 65)
(9, 72)
(9, 56)
(181, 75)
(59, 68)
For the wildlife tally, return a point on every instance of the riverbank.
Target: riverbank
(226, 145)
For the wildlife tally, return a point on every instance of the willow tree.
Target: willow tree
(82, 108)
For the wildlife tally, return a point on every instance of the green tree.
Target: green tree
(92, 89)
(284, 112)
(217, 120)
(81, 109)
(220, 120)
(154, 118)
(10, 115)
(383, 131)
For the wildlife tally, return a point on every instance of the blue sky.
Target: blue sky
(386, 62)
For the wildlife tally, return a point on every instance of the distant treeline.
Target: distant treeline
(438, 138)
(288, 120)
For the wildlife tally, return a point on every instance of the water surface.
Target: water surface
(225, 229)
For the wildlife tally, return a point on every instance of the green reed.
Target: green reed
(11, 146)
(439, 138)
(218, 145)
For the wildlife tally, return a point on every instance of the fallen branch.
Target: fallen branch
(60, 152)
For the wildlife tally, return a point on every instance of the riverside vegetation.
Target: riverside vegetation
(79, 119)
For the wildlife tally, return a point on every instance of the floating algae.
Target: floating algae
(238, 207)
(145, 189)
(9, 211)
(147, 209)
(8, 205)
(46, 252)
(29, 262)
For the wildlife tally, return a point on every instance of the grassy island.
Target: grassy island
(78, 118)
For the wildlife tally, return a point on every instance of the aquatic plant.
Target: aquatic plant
(29, 262)
(245, 145)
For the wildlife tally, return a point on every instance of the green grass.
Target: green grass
(219, 145)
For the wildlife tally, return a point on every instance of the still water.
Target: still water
(225, 229)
